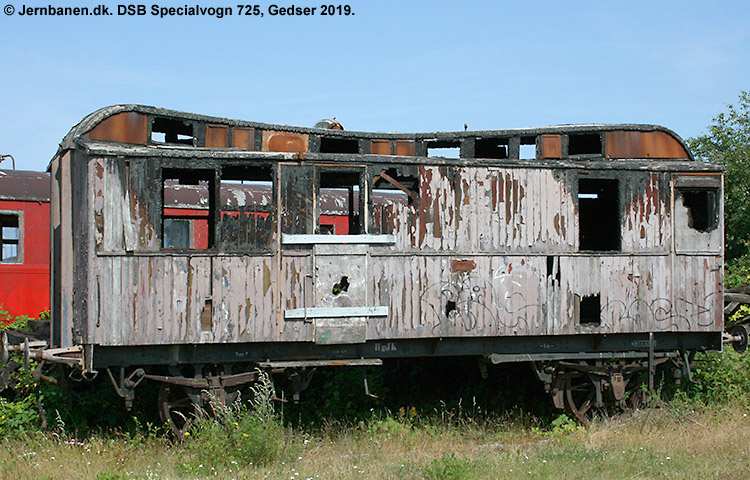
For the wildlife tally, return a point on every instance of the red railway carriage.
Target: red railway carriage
(24, 235)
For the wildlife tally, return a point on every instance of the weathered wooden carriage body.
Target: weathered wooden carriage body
(591, 241)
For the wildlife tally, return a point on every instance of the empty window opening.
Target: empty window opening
(585, 144)
(527, 149)
(340, 203)
(341, 286)
(390, 186)
(491, 148)
(170, 130)
(338, 145)
(10, 238)
(188, 216)
(589, 310)
(246, 197)
(599, 215)
(444, 149)
(393, 190)
(702, 206)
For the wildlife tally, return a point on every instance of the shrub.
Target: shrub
(238, 435)
(722, 378)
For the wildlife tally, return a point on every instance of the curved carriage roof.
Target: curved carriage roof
(134, 124)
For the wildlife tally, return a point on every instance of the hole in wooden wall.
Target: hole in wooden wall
(589, 310)
(598, 215)
(703, 208)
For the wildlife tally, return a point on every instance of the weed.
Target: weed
(450, 467)
(235, 435)
(565, 425)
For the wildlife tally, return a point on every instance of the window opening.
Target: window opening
(585, 144)
(599, 215)
(702, 207)
(246, 205)
(338, 145)
(589, 310)
(340, 204)
(491, 148)
(444, 149)
(188, 198)
(527, 149)
(170, 130)
(10, 237)
(392, 190)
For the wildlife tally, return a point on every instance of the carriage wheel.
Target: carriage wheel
(579, 398)
(741, 332)
(178, 407)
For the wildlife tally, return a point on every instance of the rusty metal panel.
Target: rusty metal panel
(123, 127)
(380, 147)
(405, 147)
(636, 144)
(551, 146)
(274, 141)
(217, 136)
(243, 137)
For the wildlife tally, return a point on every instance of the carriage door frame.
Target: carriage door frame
(339, 294)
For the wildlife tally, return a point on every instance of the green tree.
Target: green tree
(728, 143)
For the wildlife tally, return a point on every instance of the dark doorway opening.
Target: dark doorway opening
(598, 215)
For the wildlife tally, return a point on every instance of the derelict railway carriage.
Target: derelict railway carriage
(190, 250)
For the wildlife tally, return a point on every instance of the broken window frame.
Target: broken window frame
(711, 206)
(188, 175)
(14, 218)
(387, 181)
(173, 129)
(362, 197)
(606, 224)
(258, 174)
(580, 140)
(434, 148)
(492, 148)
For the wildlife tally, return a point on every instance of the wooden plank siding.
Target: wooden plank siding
(518, 227)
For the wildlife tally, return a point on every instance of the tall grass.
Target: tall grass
(242, 434)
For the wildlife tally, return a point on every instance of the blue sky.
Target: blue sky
(393, 66)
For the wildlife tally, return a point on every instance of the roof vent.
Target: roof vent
(329, 124)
